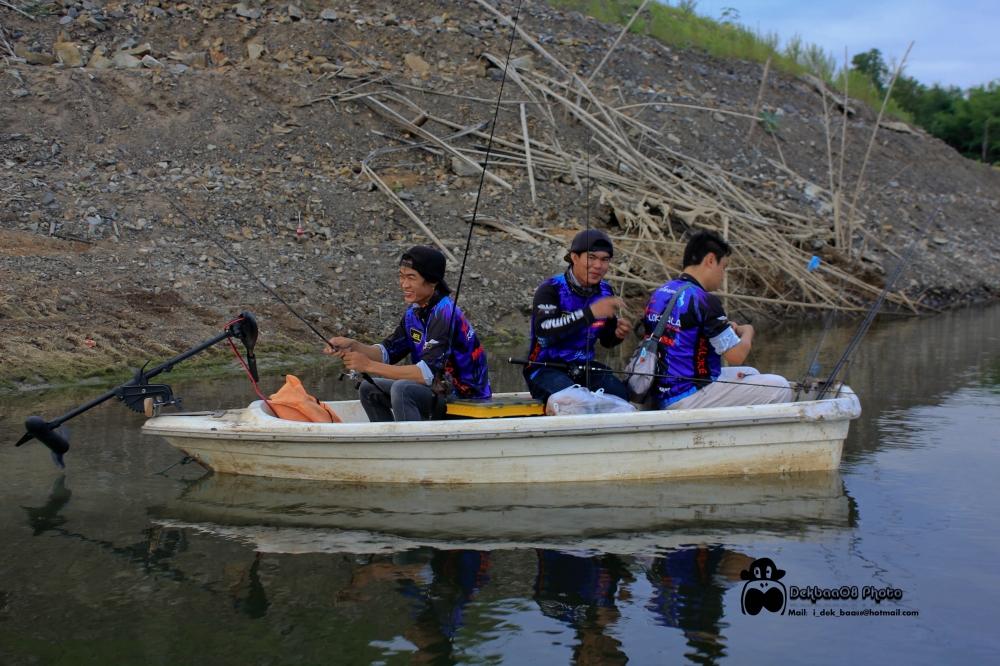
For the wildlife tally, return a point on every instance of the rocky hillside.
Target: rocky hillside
(120, 118)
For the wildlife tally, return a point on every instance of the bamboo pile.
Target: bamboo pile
(654, 192)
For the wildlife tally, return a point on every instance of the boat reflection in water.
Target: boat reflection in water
(289, 516)
(576, 553)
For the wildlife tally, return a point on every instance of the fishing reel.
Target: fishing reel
(351, 375)
(814, 388)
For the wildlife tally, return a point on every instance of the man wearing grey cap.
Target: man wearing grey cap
(569, 314)
(437, 337)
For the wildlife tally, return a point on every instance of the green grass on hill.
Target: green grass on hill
(680, 26)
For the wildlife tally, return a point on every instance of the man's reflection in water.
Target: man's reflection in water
(581, 592)
(247, 590)
(440, 584)
(689, 585)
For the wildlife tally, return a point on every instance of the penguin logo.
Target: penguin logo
(762, 589)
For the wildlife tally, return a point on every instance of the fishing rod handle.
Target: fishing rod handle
(558, 365)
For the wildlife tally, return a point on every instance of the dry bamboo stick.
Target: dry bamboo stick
(365, 169)
(829, 142)
(388, 113)
(468, 98)
(500, 225)
(551, 164)
(543, 234)
(838, 197)
(871, 141)
(527, 156)
(839, 239)
(757, 103)
(548, 82)
(565, 161)
(629, 239)
(621, 34)
(754, 299)
(727, 112)
(725, 237)
(424, 145)
(16, 9)
(778, 148)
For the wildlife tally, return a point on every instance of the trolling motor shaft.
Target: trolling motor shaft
(136, 392)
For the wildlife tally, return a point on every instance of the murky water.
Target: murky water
(114, 563)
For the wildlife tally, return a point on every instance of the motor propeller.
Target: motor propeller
(40, 429)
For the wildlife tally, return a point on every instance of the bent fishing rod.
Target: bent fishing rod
(214, 238)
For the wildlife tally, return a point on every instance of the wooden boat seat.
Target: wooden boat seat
(496, 407)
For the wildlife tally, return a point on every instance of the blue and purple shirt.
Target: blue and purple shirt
(422, 334)
(563, 327)
(696, 335)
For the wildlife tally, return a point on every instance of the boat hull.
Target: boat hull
(760, 439)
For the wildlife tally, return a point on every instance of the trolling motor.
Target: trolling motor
(138, 394)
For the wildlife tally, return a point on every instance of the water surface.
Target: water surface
(112, 562)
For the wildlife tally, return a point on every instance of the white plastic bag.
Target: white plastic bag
(578, 400)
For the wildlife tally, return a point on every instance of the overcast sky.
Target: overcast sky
(957, 42)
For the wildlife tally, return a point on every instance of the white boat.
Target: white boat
(294, 516)
(760, 439)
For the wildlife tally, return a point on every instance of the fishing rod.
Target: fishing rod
(575, 369)
(590, 330)
(866, 323)
(214, 238)
(479, 192)
(873, 311)
(138, 394)
(812, 364)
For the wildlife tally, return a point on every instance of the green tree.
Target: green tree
(969, 122)
(934, 101)
(909, 93)
(984, 121)
(871, 64)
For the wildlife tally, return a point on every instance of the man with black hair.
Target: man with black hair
(569, 314)
(403, 392)
(698, 336)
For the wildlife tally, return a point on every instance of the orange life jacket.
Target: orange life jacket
(293, 402)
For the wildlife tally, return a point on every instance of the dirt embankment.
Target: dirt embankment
(110, 108)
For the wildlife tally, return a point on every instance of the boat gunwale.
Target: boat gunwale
(267, 428)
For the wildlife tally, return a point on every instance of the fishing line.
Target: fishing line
(213, 236)
(479, 192)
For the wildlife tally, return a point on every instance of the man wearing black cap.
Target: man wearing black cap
(570, 313)
(403, 392)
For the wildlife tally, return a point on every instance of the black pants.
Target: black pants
(549, 380)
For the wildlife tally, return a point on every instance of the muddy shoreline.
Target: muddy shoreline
(114, 114)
